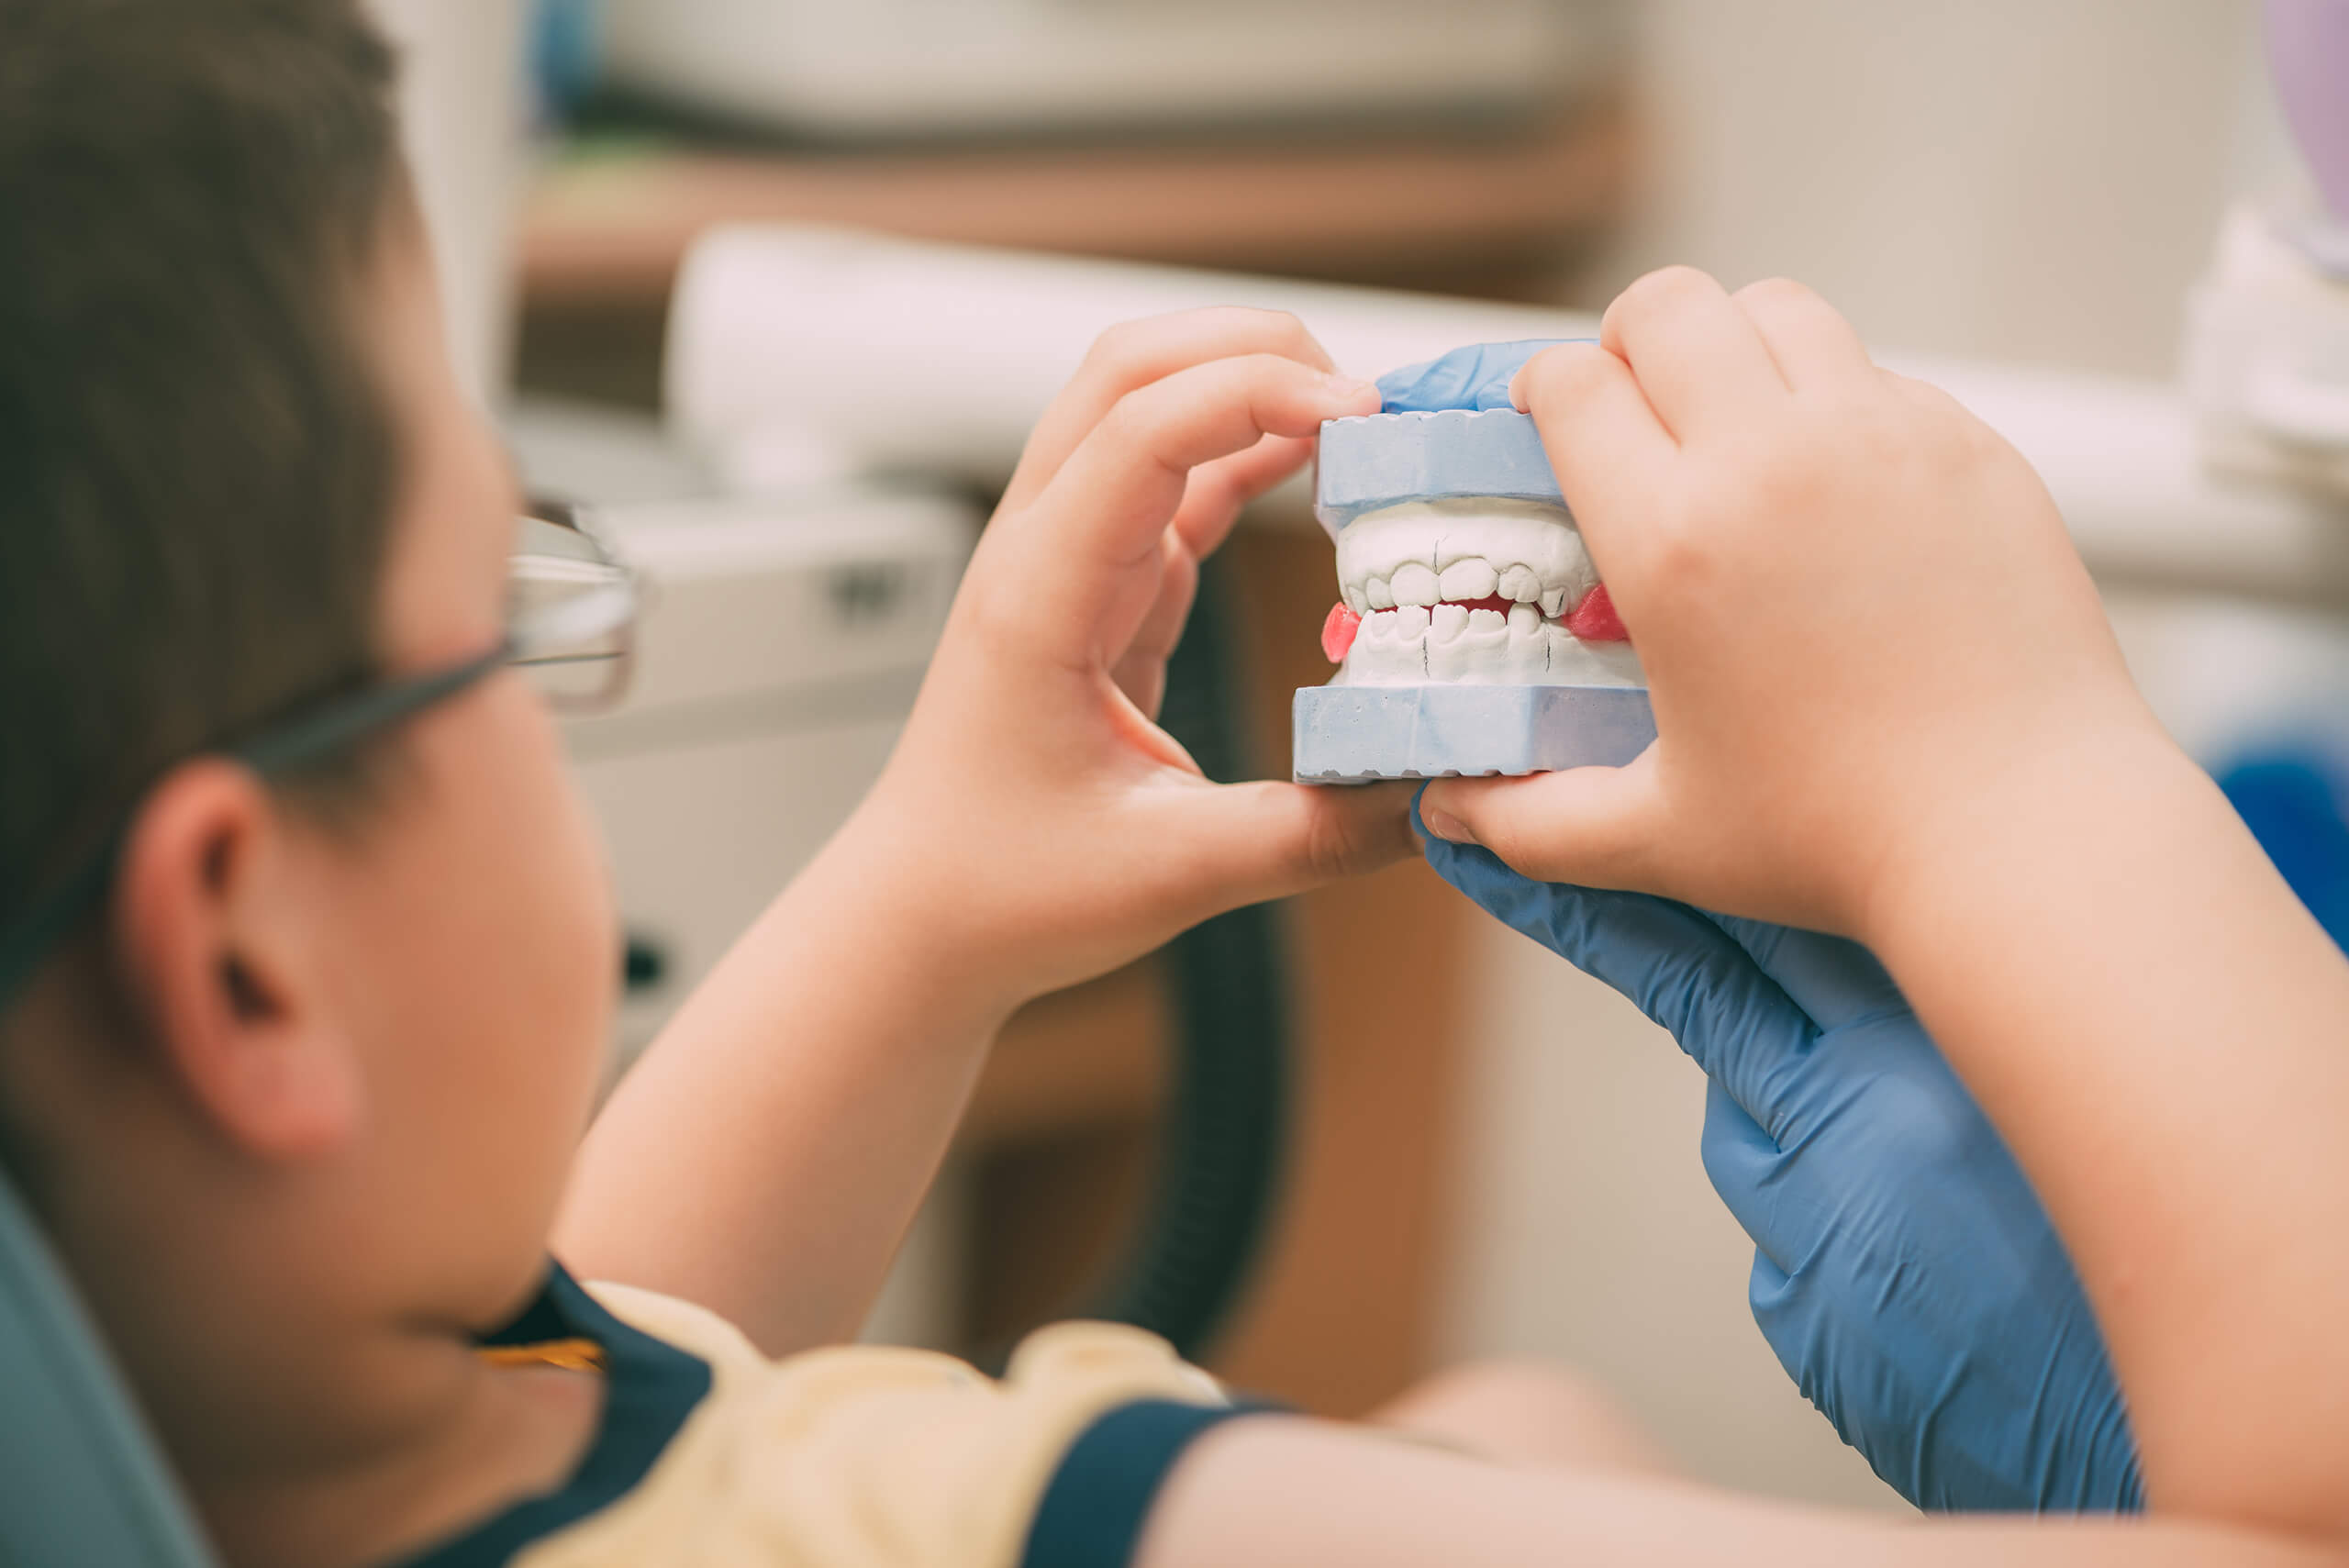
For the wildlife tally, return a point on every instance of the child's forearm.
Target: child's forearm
(1034, 827)
(1279, 1492)
(767, 1155)
(2157, 1028)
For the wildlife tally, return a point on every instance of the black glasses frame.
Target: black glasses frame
(308, 735)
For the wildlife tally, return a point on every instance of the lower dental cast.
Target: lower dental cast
(1473, 591)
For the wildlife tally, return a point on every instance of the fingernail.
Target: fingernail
(1349, 387)
(1445, 826)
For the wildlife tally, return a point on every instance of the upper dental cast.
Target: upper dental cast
(1458, 563)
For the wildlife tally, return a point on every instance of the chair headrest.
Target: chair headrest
(81, 1479)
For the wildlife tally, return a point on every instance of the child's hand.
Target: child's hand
(1856, 604)
(1053, 830)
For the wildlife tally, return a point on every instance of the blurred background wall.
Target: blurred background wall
(2022, 180)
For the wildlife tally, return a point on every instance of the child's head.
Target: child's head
(322, 1052)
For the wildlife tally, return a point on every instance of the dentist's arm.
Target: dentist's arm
(1032, 828)
(1890, 707)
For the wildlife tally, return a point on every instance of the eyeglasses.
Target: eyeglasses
(571, 611)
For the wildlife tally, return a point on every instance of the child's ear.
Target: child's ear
(216, 950)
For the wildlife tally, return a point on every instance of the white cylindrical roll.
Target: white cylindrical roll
(793, 350)
(801, 353)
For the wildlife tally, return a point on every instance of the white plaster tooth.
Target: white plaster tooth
(1470, 578)
(1415, 585)
(1573, 662)
(1375, 544)
(1477, 656)
(1454, 664)
(1417, 554)
(1527, 660)
(1573, 572)
(1386, 654)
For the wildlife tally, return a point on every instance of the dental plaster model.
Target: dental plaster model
(1472, 635)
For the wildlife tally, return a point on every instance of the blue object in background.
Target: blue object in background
(565, 54)
(1904, 1270)
(2292, 800)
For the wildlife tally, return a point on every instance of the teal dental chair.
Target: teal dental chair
(82, 1483)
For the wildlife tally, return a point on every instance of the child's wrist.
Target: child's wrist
(879, 866)
(2016, 830)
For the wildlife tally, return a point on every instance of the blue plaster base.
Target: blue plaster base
(1358, 734)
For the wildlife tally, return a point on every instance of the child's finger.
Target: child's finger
(1591, 827)
(1083, 555)
(1141, 671)
(1250, 843)
(1211, 503)
(1603, 440)
(1809, 339)
(1135, 353)
(1217, 490)
(1697, 355)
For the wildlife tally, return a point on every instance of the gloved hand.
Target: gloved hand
(1904, 1271)
(1476, 376)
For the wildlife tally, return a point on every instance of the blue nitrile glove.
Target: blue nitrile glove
(1474, 377)
(1904, 1271)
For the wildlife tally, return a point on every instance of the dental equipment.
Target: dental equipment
(1472, 635)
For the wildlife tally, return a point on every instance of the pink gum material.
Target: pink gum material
(1338, 632)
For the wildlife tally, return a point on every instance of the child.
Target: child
(308, 961)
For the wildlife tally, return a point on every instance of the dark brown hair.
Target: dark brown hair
(197, 466)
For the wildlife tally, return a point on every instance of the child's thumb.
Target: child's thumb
(1247, 842)
(1592, 827)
